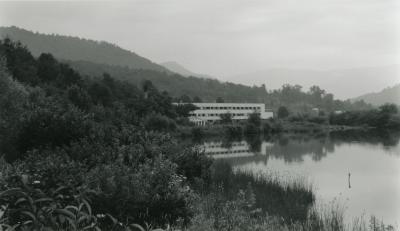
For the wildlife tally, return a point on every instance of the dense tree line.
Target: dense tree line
(385, 117)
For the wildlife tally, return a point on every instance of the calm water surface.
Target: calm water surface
(372, 160)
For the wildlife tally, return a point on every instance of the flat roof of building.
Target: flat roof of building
(227, 104)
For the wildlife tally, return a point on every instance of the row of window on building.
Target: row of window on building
(216, 114)
(230, 108)
(232, 145)
(228, 152)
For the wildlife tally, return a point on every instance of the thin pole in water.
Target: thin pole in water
(349, 180)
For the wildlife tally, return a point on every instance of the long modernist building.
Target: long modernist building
(210, 112)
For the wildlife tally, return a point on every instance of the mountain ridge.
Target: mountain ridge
(75, 48)
(387, 95)
(180, 69)
(344, 83)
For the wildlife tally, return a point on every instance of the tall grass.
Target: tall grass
(290, 198)
(242, 200)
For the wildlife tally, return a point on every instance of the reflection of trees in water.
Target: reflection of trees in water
(239, 161)
(293, 149)
(387, 138)
(254, 141)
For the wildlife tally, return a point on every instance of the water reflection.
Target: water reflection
(294, 148)
(361, 168)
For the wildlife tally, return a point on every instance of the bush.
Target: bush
(29, 208)
(51, 125)
(282, 112)
(318, 120)
(152, 192)
(267, 128)
(157, 122)
(50, 170)
(233, 131)
(251, 129)
(254, 119)
(226, 118)
(194, 165)
(197, 133)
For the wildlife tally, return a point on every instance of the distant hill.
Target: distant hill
(74, 48)
(179, 69)
(387, 95)
(344, 83)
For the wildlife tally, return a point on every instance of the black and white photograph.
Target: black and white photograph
(200, 115)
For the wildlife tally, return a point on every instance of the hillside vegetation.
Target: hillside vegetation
(387, 95)
(179, 69)
(207, 89)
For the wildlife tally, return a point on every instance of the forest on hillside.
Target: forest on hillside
(187, 89)
(387, 95)
(75, 48)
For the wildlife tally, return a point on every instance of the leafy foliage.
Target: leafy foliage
(386, 117)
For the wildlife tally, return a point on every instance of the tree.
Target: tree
(283, 112)
(219, 100)
(108, 80)
(48, 69)
(254, 119)
(389, 108)
(147, 87)
(183, 110)
(197, 99)
(100, 93)
(316, 95)
(185, 99)
(79, 97)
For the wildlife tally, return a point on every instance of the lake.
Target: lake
(358, 170)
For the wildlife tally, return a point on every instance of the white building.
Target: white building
(211, 112)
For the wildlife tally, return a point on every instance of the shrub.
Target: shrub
(29, 208)
(157, 122)
(282, 112)
(254, 119)
(251, 129)
(233, 131)
(318, 120)
(197, 133)
(194, 165)
(51, 125)
(226, 118)
(267, 128)
(152, 192)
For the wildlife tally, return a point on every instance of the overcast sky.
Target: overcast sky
(228, 37)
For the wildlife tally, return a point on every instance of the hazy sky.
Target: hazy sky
(228, 37)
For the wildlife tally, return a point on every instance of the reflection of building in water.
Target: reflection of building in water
(235, 149)
(207, 113)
